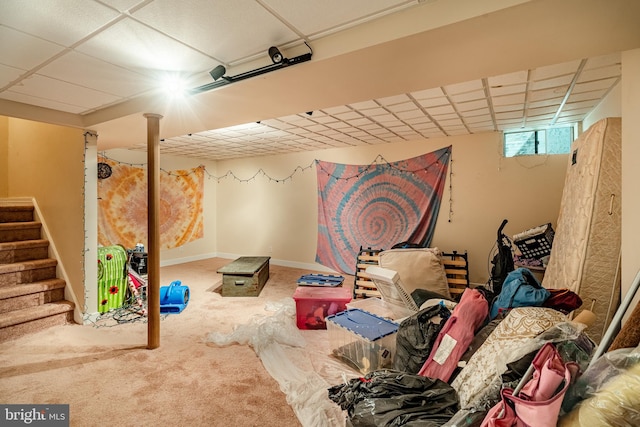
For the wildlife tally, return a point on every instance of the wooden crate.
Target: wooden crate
(456, 267)
(363, 286)
(245, 277)
(455, 264)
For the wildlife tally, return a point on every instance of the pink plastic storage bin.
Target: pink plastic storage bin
(313, 304)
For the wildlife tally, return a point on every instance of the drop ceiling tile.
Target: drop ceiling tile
(228, 40)
(545, 102)
(40, 102)
(471, 105)
(373, 112)
(405, 106)
(509, 115)
(418, 120)
(463, 88)
(508, 90)
(557, 82)
(474, 113)
(542, 110)
(24, 51)
(366, 105)
(515, 99)
(596, 85)
(47, 88)
(130, 44)
(478, 119)
(385, 120)
(445, 109)
(553, 71)
(451, 123)
(8, 74)
(411, 114)
(603, 61)
(439, 117)
(428, 94)
(321, 17)
(539, 95)
(50, 20)
(394, 100)
(350, 115)
(433, 102)
(510, 79)
(600, 73)
(468, 96)
(457, 131)
(585, 96)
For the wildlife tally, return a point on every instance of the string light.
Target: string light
(260, 172)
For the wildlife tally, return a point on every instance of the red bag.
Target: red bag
(538, 402)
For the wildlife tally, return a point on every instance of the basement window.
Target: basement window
(546, 141)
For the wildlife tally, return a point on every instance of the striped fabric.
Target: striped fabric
(377, 206)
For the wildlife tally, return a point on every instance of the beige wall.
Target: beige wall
(4, 156)
(280, 219)
(630, 169)
(47, 162)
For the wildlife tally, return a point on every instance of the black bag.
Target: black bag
(391, 399)
(502, 261)
(415, 337)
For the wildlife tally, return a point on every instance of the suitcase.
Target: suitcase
(112, 277)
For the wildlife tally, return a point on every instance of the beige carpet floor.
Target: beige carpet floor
(108, 377)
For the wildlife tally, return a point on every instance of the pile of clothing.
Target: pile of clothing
(473, 364)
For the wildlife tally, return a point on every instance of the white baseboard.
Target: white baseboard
(285, 263)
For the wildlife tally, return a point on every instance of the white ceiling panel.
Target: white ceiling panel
(8, 74)
(90, 72)
(56, 90)
(229, 39)
(318, 18)
(129, 44)
(41, 102)
(51, 20)
(20, 50)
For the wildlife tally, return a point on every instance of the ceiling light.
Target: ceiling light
(275, 55)
(218, 72)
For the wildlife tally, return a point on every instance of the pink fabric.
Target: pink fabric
(456, 335)
(538, 404)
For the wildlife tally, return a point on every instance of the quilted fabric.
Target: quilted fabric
(480, 378)
(586, 246)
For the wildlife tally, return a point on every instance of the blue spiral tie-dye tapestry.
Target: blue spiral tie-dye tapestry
(377, 206)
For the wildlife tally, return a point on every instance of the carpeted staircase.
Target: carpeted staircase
(31, 296)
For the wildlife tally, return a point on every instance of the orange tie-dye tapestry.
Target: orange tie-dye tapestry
(122, 206)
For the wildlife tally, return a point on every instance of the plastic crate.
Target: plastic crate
(381, 308)
(314, 304)
(535, 243)
(363, 340)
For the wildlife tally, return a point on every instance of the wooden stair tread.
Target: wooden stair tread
(33, 313)
(30, 288)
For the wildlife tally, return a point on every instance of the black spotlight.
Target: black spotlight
(275, 55)
(218, 72)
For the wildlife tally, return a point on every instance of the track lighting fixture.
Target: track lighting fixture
(279, 61)
(218, 72)
(275, 55)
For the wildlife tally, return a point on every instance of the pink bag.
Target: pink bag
(538, 402)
